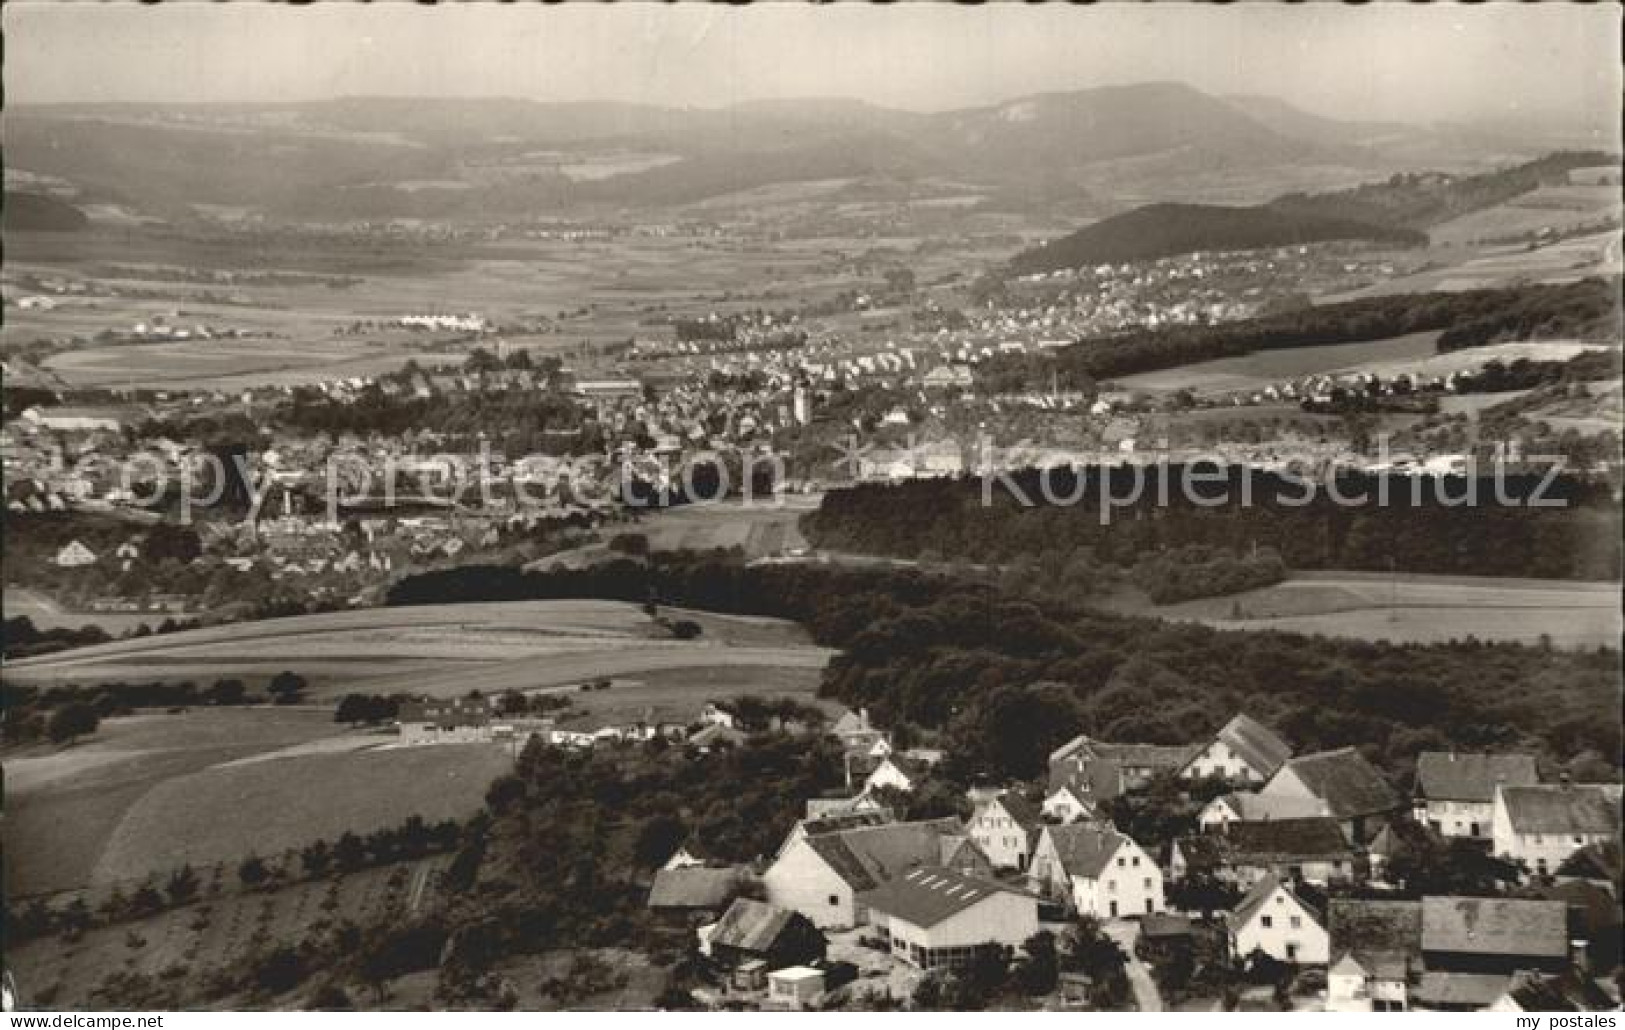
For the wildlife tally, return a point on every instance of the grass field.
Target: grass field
(437, 649)
(1418, 609)
(223, 813)
(47, 614)
(1259, 369)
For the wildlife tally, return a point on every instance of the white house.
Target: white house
(936, 918)
(1274, 920)
(1543, 825)
(822, 875)
(1099, 871)
(1004, 827)
(898, 772)
(1455, 792)
(1375, 954)
(1243, 751)
(1066, 806)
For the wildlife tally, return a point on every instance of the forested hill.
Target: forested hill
(1587, 310)
(947, 518)
(35, 212)
(1006, 674)
(1163, 230)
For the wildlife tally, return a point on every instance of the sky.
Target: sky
(1384, 61)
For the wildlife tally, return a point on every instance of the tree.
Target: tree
(1087, 949)
(72, 721)
(658, 839)
(1037, 970)
(253, 871)
(287, 687)
(182, 886)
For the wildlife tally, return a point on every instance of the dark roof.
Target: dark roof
(1599, 861)
(693, 887)
(1565, 992)
(751, 925)
(1202, 851)
(1165, 924)
(447, 713)
(1478, 990)
(1285, 840)
(868, 856)
(844, 821)
(930, 894)
(1455, 776)
(1256, 743)
(1596, 907)
(1083, 848)
(1350, 785)
(1495, 926)
(1385, 937)
(1561, 808)
(1020, 809)
(1167, 756)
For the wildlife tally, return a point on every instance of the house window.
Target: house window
(1120, 863)
(1111, 885)
(834, 899)
(1292, 952)
(1136, 861)
(1296, 923)
(1266, 921)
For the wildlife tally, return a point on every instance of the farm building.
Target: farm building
(794, 986)
(1471, 947)
(1455, 792)
(1249, 807)
(74, 555)
(754, 931)
(1100, 771)
(822, 875)
(1005, 828)
(1375, 954)
(1312, 850)
(694, 889)
(1243, 751)
(937, 918)
(1542, 826)
(459, 720)
(1355, 792)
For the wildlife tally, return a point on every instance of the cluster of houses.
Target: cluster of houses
(483, 719)
(1293, 839)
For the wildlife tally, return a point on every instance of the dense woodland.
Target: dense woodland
(1418, 530)
(1588, 309)
(1163, 230)
(1004, 675)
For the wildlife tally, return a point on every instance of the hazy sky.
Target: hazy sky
(1384, 61)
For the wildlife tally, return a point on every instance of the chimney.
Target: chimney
(1579, 955)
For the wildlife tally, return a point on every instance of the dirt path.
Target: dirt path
(1146, 995)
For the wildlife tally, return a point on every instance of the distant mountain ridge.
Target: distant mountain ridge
(503, 155)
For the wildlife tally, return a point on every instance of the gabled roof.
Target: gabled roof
(1285, 840)
(1350, 785)
(1251, 807)
(1260, 896)
(1495, 926)
(751, 925)
(1256, 743)
(1384, 937)
(1561, 808)
(1170, 756)
(868, 856)
(1479, 990)
(928, 895)
(693, 887)
(848, 819)
(1599, 861)
(1018, 808)
(1455, 776)
(1085, 849)
(1565, 992)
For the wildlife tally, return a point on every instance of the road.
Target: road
(1146, 995)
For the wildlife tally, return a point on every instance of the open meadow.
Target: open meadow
(440, 650)
(1416, 608)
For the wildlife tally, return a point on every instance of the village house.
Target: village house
(1065, 806)
(1311, 850)
(690, 854)
(1251, 807)
(1570, 991)
(1243, 751)
(1455, 791)
(1099, 871)
(835, 823)
(456, 720)
(856, 733)
(1005, 828)
(1375, 954)
(822, 875)
(794, 987)
(899, 772)
(1471, 947)
(938, 918)
(1541, 826)
(754, 938)
(1273, 919)
(1098, 771)
(1354, 792)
